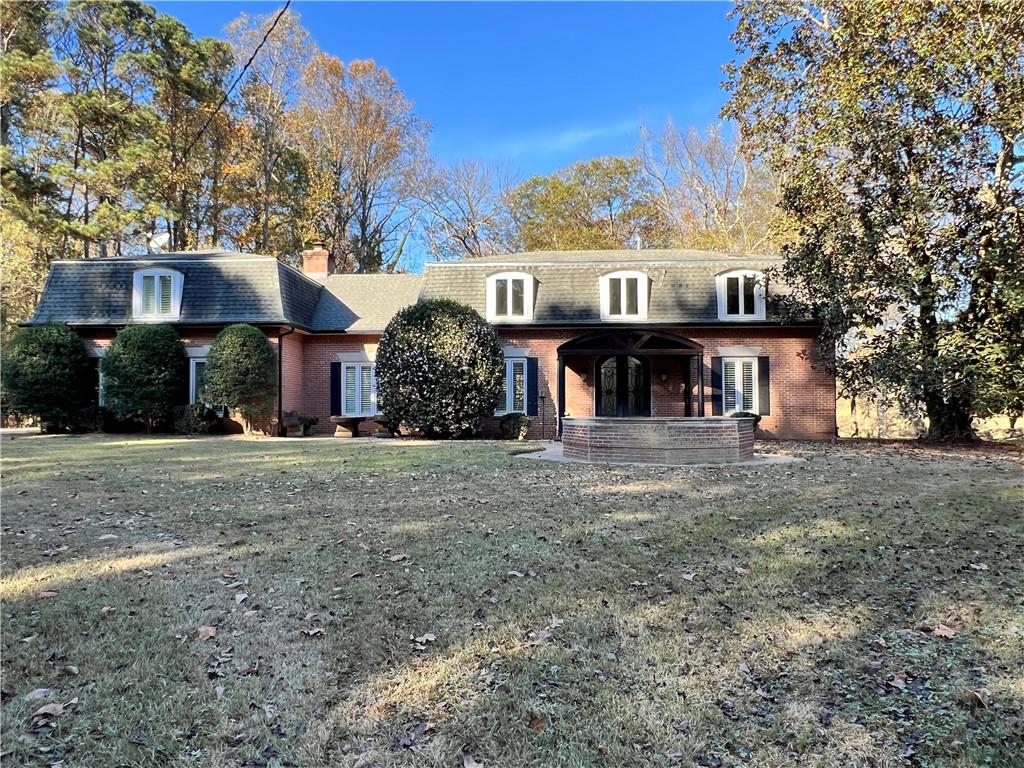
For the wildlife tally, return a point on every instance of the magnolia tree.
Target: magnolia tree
(241, 372)
(439, 369)
(144, 374)
(47, 373)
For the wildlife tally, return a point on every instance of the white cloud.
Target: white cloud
(560, 140)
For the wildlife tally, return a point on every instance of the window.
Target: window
(741, 296)
(739, 385)
(624, 296)
(513, 390)
(197, 367)
(359, 389)
(101, 389)
(510, 297)
(156, 294)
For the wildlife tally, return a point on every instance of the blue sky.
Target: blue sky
(533, 86)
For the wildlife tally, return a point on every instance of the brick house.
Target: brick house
(654, 333)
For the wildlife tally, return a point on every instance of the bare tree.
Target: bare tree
(466, 209)
(711, 194)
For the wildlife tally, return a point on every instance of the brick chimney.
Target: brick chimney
(317, 262)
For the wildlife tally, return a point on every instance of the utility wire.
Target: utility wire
(227, 94)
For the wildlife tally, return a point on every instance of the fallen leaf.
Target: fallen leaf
(56, 709)
(538, 723)
(38, 694)
(314, 632)
(515, 574)
(71, 669)
(205, 633)
(688, 576)
(943, 631)
(48, 593)
(979, 567)
(28, 639)
(741, 571)
(975, 699)
(468, 761)
(429, 637)
(241, 597)
(398, 558)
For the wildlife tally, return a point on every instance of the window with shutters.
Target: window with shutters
(513, 390)
(739, 385)
(156, 294)
(741, 295)
(358, 389)
(624, 296)
(510, 297)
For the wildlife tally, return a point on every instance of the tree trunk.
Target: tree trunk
(949, 420)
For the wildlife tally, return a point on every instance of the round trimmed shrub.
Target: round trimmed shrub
(439, 369)
(144, 374)
(241, 372)
(47, 373)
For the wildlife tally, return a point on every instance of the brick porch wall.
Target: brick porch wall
(659, 441)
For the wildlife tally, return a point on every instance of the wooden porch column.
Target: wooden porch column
(700, 385)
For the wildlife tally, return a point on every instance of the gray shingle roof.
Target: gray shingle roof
(682, 288)
(363, 303)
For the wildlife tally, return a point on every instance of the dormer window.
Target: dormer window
(741, 295)
(624, 296)
(510, 297)
(156, 294)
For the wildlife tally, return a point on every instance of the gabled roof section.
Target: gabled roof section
(219, 287)
(682, 282)
(364, 303)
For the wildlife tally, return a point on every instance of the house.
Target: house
(629, 333)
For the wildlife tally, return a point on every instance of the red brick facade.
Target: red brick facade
(802, 391)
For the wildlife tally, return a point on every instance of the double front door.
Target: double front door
(623, 386)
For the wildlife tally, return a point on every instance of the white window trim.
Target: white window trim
(357, 365)
(759, 295)
(177, 282)
(529, 290)
(507, 408)
(739, 391)
(193, 383)
(643, 283)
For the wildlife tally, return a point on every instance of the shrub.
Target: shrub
(514, 426)
(747, 415)
(195, 419)
(241, 372)
(144, 374)
(439, 369)
(47, 373)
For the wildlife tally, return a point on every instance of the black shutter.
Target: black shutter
(716, 386)
(764, 401)
(335, 389)
(531, 386)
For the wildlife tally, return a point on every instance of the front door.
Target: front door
(623, 386)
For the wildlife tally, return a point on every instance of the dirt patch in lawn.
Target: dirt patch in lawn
(226, 602)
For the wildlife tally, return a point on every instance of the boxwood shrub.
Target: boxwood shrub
(439, 369)
(145, 375)
(241, 373)
(47, 373)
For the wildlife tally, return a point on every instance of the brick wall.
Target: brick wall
(658, 440)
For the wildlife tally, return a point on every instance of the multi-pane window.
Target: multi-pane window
(196, 379)
(624, 296)
(157, 293)
(741, 296)
(513, 390)
(359, 389)
(739, 385)
(510, 297)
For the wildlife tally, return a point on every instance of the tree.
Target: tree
(600, 203)
(144, 374)
(47, 373)
(466, 211)
(897, 138)
(710, 193)
(241, 372)
(439, 369)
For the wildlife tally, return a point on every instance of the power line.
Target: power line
(227, 94)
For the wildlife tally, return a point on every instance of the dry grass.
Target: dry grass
(581, 616)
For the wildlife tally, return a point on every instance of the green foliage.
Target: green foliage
(514, 426)
(747, 415)
(144, 374)
(897, 135)
(47, 373)
(195, 419)
(439, 369)
(602, 203)
(241, 372)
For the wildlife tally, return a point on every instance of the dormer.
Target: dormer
(624, 296)
(156, 294)
(510, 297)
(741, 295)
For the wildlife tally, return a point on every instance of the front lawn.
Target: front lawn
(229, 602)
